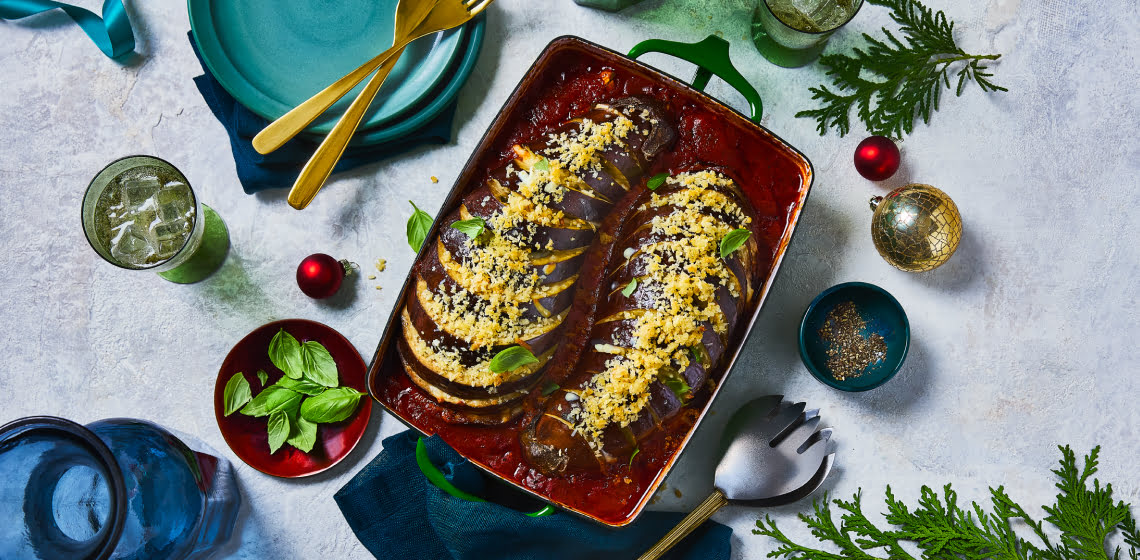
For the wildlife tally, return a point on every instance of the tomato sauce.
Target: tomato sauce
(569, 79)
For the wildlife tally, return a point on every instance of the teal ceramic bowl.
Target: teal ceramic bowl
(882, 314)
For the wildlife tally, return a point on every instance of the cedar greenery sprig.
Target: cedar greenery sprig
(941, 529)
(891, 82)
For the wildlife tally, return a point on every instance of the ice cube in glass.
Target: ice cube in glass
(170, 229)
(138, 189)
(169, 247)
(129, 246)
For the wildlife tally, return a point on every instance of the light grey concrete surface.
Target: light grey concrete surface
(1026, 339)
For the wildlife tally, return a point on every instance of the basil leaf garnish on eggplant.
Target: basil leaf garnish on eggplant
(629, 288)
(511, 359)
(733, 241)
(471, 228)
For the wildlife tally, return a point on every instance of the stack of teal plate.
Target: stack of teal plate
(271, 56)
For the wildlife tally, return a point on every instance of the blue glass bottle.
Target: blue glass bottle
(117, 488)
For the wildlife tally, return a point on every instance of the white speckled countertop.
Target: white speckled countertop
(1026, 339)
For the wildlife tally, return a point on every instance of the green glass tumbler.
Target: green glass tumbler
(793, 33)
(140, 213)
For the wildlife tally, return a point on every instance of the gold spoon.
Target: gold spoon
(446, 14)
(409, 14)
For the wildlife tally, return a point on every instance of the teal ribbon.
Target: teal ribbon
(112, 34)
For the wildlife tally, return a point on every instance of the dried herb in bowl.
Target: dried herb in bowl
(850, 349)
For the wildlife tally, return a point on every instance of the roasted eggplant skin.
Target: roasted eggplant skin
(556, 251)
(553, 442)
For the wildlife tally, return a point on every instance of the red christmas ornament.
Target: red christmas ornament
(320, 275)
(877, 158)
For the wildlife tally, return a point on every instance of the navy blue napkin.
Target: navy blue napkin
(280, 168)
(396, 513)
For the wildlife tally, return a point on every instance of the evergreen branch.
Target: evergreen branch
(892, 81)
(1131, 538)
(822, 528)
(1086, 518)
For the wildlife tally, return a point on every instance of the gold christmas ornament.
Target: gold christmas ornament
(916, 227)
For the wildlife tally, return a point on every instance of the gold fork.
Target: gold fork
(409, 14)
(445, 15)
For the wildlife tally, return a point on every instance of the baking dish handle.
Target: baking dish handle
(437, 479)
(711, 58)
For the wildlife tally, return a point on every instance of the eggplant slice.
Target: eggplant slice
(663, 326)
(513, 282)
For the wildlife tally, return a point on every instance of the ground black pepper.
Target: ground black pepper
(850, 350)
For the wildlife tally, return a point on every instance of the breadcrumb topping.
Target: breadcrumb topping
(500, 277)
(681, 281)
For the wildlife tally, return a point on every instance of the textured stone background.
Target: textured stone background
(1025, 340)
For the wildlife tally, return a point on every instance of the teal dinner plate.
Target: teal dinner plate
(271, 56)
(442, 97)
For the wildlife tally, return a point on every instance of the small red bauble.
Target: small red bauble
(877, 158)
(320, 275)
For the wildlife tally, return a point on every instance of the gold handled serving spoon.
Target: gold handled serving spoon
(409, 14)
(446, 14)
(773, 456)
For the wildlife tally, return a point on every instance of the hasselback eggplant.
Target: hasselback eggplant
(480, 290)
(663, 322)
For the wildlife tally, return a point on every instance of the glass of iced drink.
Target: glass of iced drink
(140, 213)
(792, 33)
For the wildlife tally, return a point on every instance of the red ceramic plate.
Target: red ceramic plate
(248, 436)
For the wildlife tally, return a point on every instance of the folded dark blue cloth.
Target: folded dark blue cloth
(280, 168)
(396, 513)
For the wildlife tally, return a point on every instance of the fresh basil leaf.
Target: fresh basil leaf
(542, 164)
(236, 394)
(471, 228)
(418, 226)
(304, 386)
(285, 353)
(550, 388)
(511, 359)
(262, 377)
(304, 434)
(698, 355)
(677, 384)
(629, 288)
(278, 430)
(733, 241)
(636, 450)
(318, 364)
(656, 181)
(333, 405)
(272, 399)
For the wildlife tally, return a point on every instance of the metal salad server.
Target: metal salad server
(773, 455)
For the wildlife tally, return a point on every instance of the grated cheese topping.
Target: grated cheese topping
(499, 279)
(465, 316)
(579, 150)
(446, 361)
(681, 281)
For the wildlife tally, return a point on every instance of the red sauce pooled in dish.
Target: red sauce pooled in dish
(570, 83)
